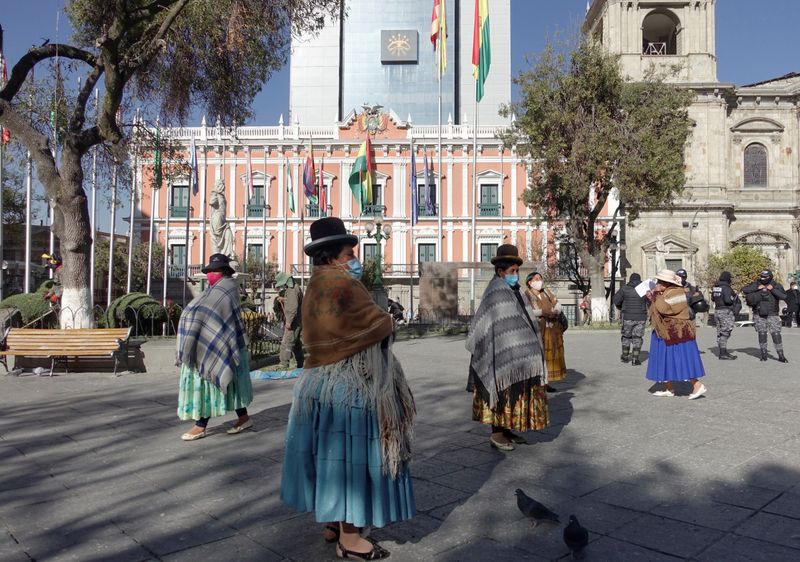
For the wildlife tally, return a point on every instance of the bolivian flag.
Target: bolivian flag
(481, 52)
(361, 175)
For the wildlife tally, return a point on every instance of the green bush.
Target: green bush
(30, 305)
(125, 310)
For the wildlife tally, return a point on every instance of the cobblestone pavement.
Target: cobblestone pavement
(92, 467)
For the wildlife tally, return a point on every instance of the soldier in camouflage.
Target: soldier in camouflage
(764, 298)
(634, 316)
(291, 302)
(725, 305)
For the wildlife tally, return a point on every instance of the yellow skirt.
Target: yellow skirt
(523, 407)
(554, 352)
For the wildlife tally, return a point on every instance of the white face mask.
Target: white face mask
(537, 285)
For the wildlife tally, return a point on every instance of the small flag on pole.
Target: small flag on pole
(361, 175)
(290, 186)
(158, 174)
(323, 195)
(414, 192)
(193, 168)
(250, 188)
(309, 181)
(481, 51)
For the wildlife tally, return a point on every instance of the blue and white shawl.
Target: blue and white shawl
(211, 333)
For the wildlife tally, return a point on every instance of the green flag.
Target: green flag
(290, 187)
(157, 159)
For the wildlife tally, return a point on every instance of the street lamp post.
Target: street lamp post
(378, 232)
(614, 247)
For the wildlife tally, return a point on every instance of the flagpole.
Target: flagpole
(474, 208)
(411, 216)
(286, 181)
(94, 210)
(246, 210)
(152, 221)
(264, 251)
(133, 207)
(28, 205)
(2, 146)
(439, 252)
(166, 244)
(186, 242)
(113, 230)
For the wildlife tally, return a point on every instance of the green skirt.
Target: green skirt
(198, 398)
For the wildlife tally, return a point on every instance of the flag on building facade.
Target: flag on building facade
(414, 192)
(157, 172)
(250, 188)
(323, 195)
(428, 189)
(481, 50)
(361, 175)
(193, 183)
(290, 186)
(439, 33)
(309, 179)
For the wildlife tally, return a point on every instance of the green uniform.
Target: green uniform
(291, 344)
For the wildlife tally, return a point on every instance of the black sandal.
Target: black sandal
(335, 530)
(377, 553)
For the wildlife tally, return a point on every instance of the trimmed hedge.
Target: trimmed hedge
(30, 305)
(127, 309)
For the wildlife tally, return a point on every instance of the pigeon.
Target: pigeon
(39, 371)
(575, 536)
(533, 509)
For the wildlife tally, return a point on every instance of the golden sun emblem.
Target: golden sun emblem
(399, 45)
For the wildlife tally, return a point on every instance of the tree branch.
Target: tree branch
(34, 56)
(154, 44)
(79, 115)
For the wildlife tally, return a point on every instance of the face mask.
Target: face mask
(213, 277)
(355, 269)
(537, 285)
(512, 280)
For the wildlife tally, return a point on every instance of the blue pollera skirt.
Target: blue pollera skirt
(679, 362)
(332, 463)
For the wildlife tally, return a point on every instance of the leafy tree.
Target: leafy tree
(139, 279)
(585, 129)
(256, 270)
(743, 262)
(168, 56)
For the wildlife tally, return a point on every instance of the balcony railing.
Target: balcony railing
(492, 210)
(655, 49)
(177, 271)
(422, 211)
(312, 211)
(374, 211)
(178, 212)
(255, 211)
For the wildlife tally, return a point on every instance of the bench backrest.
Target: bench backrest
(84, 338)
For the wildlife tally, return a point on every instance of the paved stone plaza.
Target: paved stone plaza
(93, 469)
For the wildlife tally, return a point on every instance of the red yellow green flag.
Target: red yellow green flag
(439, 33)
(481, 51)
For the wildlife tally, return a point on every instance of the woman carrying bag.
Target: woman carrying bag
(547, 311)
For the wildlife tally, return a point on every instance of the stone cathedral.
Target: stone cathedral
(742, 163)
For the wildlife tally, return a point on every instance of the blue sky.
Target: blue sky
(756, 40)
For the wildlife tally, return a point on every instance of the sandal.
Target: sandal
(335, 530)
(514, 438)
(193, 436)
(377, 553)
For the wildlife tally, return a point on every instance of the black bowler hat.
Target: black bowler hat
(329, 231)
(509, 253)
(219, 262)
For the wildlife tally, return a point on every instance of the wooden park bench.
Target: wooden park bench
(60, 345)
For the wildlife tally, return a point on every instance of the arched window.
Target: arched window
(660, 34)
(755, 165)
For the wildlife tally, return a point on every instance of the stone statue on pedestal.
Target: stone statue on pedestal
(661, 254)
(221, 233)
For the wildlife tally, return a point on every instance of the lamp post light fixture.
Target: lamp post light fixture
(378, 232)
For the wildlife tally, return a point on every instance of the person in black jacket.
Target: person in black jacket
(725, 303)
(696, 299)
(764, 298)
(634, 316)
(793, 305)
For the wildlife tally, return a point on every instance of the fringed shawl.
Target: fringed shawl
(669, 316)
(504, 346)
(347, 336)
(339, 317)
(545, 301)
(211, 333)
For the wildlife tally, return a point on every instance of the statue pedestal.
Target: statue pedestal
(381, 297)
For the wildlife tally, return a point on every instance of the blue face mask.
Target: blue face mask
(512, 280)
(355, 269)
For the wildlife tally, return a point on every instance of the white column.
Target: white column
(466, 237)
(449, 186)
(514, 193)
(398, 190)
(465, 186)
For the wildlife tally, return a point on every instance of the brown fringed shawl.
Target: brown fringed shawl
(344, 332)
(669, 316)
(545, 301)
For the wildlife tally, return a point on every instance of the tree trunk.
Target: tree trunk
(72, 227)
(597, 277)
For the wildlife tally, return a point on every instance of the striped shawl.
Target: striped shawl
(504, 346)
(669, 315)
(211, 333)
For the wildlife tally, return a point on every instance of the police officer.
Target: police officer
(764, 298)
(291, 300)
(634, 316)
(697, 302)
(725, 304)
(792, 305)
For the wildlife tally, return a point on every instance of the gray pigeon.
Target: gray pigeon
(533, 509)
(575, 537)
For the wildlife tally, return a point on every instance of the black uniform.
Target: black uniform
(697, 302)
(725, 304)
(634, 316)
(793, 306)
(766, 312)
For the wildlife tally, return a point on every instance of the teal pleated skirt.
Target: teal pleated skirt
(332, 463)
(199, 398)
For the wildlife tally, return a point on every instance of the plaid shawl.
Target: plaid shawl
(211, 333)
(504, 346)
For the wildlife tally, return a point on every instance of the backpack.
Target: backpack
(698, 302)
(737, 305)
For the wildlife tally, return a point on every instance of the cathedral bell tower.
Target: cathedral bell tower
(658, 33)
